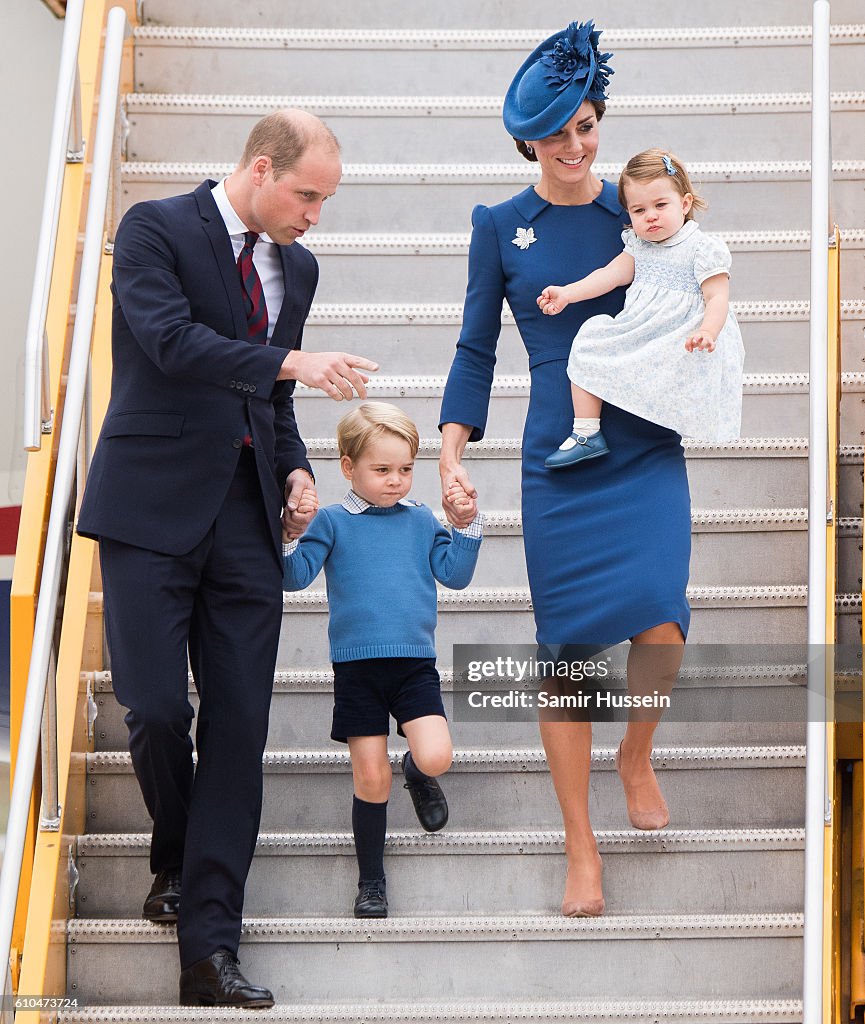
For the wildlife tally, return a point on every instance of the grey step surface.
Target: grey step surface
(454, 873)
(204, 126)
(754, 472)
(421, 337)
(177, 59)
(753, 787)
(751, 705)
(440, 196)
(605, 1011)
(452, 14)
(372, 268)
(129, 961)
(773, 404)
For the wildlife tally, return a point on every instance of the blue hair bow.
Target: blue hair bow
(668, 164)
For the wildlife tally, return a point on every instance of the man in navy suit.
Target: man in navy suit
(198, 457)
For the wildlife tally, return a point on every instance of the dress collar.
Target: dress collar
(685, 231)
(529, 204)
(355, 504)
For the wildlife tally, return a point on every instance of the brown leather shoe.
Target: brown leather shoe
(163, 900)
(216, 981)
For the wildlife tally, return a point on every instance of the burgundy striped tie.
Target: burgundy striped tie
(253, 294)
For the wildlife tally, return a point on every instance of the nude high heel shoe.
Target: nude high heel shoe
(656, 817)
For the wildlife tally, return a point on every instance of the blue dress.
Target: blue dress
(607, 542)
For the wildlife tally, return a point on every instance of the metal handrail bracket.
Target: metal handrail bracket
(67, 458)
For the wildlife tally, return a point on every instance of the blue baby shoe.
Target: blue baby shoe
(590, 447)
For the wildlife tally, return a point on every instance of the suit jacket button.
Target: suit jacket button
(252, 389)
(233, 383)
(246, 387)
(236, 443)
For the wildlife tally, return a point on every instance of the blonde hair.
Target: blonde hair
(650, 165)
(284, 136)
(368, 422)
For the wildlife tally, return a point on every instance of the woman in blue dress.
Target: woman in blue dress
(608, 543)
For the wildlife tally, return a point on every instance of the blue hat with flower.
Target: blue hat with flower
(555, 79)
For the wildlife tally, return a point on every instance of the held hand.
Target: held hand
(700, 341)
(301, 504)
(459, 497)
(553, 299)
(335, 373)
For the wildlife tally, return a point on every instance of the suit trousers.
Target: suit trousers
(220, 604)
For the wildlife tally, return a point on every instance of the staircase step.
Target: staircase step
(454, 14)
(607, 1011)
(763, 472)
(729, 956)
(767, 266)
(753, 705)
(437, 196)
(711, 787)
(420, 338)
(775, 404)
(315, 874)
(370, 61)
(181, 126)
(596, 1011)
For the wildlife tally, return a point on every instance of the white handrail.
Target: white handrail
(37, 399)
(104, 152)
(820, 653)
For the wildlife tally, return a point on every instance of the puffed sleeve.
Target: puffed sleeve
(711, 258)
(467, 392)
(631, 241)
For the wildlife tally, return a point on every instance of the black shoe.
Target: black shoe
(428, 799)
(163, 900)
(216, 981)
(371, 899)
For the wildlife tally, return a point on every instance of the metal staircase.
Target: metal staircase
(704, 920)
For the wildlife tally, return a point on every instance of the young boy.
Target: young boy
(382, 554)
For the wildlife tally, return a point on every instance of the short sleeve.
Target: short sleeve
(631, 241)
(711, 258)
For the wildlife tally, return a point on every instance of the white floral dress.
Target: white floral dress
(637, 360)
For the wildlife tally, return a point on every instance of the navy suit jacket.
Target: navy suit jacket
(186, 381)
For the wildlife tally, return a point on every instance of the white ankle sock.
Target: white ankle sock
(586, 427)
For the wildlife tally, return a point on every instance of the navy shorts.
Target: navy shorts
(368, 691)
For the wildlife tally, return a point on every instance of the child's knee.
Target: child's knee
(372, 780)
(434, 759)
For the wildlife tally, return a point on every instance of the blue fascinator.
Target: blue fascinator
(555, 79)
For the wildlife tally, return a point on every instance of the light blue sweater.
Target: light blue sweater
(381, 566)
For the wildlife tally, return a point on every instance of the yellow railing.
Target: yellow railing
(37, 961)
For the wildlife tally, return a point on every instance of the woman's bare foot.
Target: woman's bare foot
(647, 808)
(584, 896)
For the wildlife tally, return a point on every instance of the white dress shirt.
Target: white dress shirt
(265, 256)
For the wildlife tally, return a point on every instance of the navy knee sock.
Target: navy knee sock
(411, 771)
(369, 824)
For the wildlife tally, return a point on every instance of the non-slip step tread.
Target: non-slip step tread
(488, 842)
(487, 38)
(486, 173)
(697, 1011)
(111, 762)
(321, 680)
(457, 243)
(519, 385)
(477, 106)
(522, 928)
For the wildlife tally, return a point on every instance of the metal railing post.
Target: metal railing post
(818, 509)
(37, 396)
